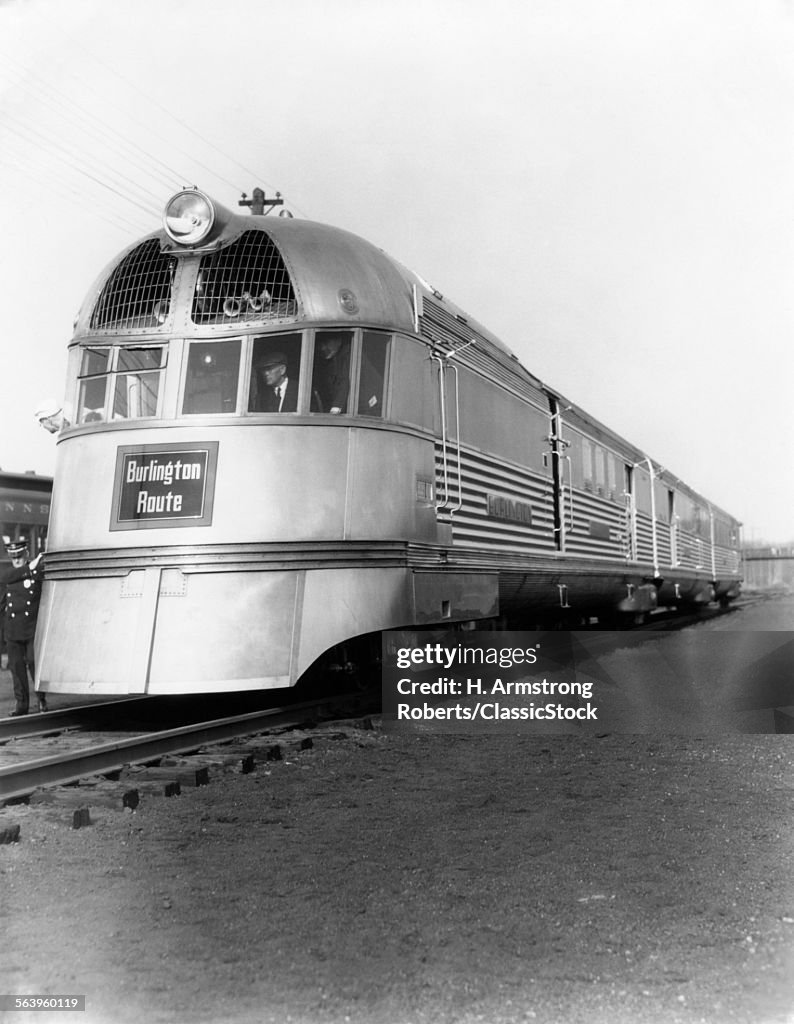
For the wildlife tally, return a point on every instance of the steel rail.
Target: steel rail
(18, 781)
(41, 723)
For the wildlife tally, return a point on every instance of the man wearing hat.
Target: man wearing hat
(50, 416)
(19, 606)
(277, 391)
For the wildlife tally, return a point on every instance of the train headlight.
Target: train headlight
(188, 217)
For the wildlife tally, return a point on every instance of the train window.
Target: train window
(662, 500)
(572, 467)
(587, 464)
(699, 520)
(93, 384)
(137, 382)
(213, 369)
(275, 372)
(682, 510)
(331, 371)
(612, 477)
(600, 469)
(95, 360)
(642, 490)
(374, 350)
(92, 400)
(135, 374)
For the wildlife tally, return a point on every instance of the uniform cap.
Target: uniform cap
(16, 547)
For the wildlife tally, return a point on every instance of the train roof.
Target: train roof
(335, 274)
(27, 480)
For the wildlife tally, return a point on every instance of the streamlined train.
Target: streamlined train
(282, 440)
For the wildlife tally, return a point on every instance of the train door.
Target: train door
(672, 518)
(561, 474)
(630, 515)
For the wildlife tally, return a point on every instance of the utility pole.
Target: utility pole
(258, 202)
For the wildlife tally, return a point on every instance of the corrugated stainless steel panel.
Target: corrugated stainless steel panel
(644, 536)
(598, 526)
(490, 473)
(473, 525)
(663, 544)
(497, 537)
(471, 528)
(693, 551)
(251, 557)
(727, 562)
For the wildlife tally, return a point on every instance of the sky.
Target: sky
(607, 185)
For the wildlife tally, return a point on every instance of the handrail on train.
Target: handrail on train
(654, 540)
(713, 538)
(558, 445)
(444, 364)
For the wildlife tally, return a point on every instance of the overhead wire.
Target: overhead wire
(207, 142)
(73, 195)
(26, 132)
(83, 120)
(152, 210)
(168, 113)
(102, 172)
(89, 200)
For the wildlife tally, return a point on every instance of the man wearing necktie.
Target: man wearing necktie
(279, 392)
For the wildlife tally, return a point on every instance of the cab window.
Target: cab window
(374, 352)
(213, 369)
(331, 372)
(93, 385)
(129, 377)
(275, 374)
(137, 382)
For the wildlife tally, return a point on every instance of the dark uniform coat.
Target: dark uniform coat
(333, 381)
(19, 602)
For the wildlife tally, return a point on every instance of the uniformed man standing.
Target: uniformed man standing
(19, 605)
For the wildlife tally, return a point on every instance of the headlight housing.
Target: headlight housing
(189, 217)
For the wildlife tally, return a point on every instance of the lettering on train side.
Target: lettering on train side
(499, 507)
(164, 485)
(164, 471)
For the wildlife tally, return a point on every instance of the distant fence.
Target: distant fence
(768, 567)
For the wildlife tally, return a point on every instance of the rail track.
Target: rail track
(83, 748)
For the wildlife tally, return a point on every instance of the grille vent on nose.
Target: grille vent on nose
(245, 281)
(138, 292)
